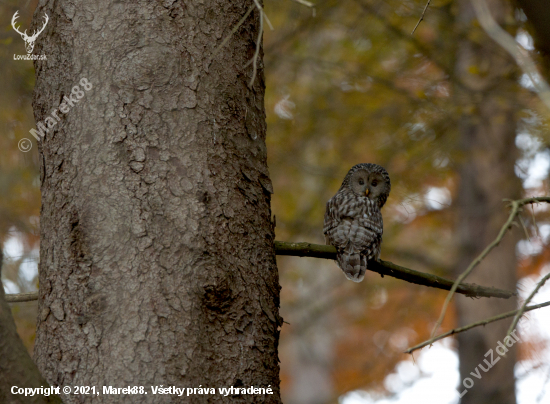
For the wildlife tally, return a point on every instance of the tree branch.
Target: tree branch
(508, 42)
(523, 307)
(305, 3)
(516, 208)
(233, 30)
(22, 297)
(421, 17)
(391, 269)
(476, 324)
(396, 30)
(381, 267)
(16, 366)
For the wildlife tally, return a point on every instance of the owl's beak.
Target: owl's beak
(367, 192)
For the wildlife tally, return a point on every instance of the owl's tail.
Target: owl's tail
(353, 263)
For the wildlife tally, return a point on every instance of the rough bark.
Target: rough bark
(16, 366)
(157, 264)
(487, 133)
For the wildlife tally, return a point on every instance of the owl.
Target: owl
(353, 222)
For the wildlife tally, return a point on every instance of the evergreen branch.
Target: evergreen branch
(391, 269)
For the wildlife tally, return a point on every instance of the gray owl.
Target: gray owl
(353, 222)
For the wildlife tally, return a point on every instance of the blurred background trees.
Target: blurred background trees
(442, 110)
(19, 172)
(445, 111)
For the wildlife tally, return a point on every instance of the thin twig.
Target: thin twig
(258, 44)
(268, 22)
(476, 324)
(305, 3)
(421, 17)
(535, 221)
(391, 269)
(516, 205)
(524, 228)
(235, 28)
(526, 302)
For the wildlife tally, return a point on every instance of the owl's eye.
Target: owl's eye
(374, 183)
(361, 182)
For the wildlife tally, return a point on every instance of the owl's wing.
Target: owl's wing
(332, 220)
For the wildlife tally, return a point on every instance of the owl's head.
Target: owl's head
(370, 180)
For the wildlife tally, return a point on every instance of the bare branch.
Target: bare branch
(524, 228)
(434, 57)
(390, 269)
(22, 297)
(381, 267)
(535, 221)
(526, 302)
(17, 367)
(268, 22)
(421, 17)
(258, 44)
(305, 3)
(235, 28)
(473, 325)
(516, 208)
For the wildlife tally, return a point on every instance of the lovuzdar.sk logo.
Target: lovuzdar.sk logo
(29, 40)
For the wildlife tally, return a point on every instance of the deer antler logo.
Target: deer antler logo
(29, 40)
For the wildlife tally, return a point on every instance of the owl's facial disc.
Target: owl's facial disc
(371, 185)
(376, 185)
(360, 183)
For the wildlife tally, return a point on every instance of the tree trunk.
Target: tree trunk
(157, 264)
(17, 370)
(487, 133)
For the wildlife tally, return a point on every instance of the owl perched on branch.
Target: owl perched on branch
(353, 222)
